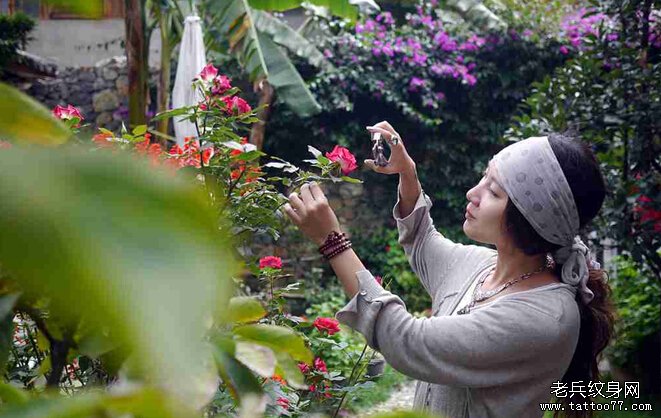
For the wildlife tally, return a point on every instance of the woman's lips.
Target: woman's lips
(468, 215)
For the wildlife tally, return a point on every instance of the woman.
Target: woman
(511, 327)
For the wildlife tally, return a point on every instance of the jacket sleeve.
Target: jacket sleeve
(430, 254)
(505, 343)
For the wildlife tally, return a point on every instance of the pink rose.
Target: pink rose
(283, 402)
(66, 113)
(320, 365)
(270, 261)
(305, 369)
(378, 279)
(220, 85)
(344, 157)
(236, 105)
(208, 73)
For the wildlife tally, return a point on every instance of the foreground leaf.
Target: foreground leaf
(139, 249)
(24, 120)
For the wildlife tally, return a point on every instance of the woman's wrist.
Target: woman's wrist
(410, 170)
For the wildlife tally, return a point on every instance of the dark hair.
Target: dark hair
(582, 172)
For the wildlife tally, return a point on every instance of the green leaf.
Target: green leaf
(257, 358)
(341, 8)
(146, 403)
(285, 78)
(7, 303)
(476, 12)
(245, 309)
(280, 339)
(288, 369)
(172, 113)
(284, 35)
(10, 394)
(249, 156)
(234, 374)
(140, 130)
(24, 120)
(153, 275)
(323, 160)
(351, 180)
(261, 57)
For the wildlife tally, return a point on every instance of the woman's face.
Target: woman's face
(487, 202)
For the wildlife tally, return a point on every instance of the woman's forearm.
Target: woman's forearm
(346, 265)
(409, 191)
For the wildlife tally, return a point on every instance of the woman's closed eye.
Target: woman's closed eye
(484, 176)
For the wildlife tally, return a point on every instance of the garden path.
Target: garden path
(400, 398)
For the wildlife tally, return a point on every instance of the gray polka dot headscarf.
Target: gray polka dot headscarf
(534, 181)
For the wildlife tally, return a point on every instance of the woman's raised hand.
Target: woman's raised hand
(399, 160)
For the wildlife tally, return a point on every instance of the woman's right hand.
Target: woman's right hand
(399, 160)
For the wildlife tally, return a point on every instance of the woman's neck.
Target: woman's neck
(510, 265)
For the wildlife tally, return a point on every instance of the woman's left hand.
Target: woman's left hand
(312, 213)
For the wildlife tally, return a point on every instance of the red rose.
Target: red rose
(270, 261)
(313, 388)
(305, 369)
(387, 248)
(283, 402)
(320, 365)
(378, 279)
(344, 157)
(330, 325)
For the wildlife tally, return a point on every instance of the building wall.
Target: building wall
(83, 43)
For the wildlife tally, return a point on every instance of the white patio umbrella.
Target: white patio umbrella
(192, 59)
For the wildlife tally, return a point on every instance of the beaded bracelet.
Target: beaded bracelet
(336, 242)
(332, 239)
(338, 251)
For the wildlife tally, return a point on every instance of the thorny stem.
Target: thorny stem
(349, 380)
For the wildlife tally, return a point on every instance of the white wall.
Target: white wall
(76, 42)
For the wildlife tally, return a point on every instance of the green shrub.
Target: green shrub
(636, 293)
(14, 34)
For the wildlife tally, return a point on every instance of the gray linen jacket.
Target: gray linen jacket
(500, 360)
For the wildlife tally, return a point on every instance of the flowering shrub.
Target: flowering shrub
(226, 166)
(411, 65)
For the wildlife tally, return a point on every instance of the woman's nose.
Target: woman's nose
(472, 197)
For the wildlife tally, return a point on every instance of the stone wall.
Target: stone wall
(100, 92)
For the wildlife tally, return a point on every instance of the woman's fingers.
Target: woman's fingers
(306, 195)
(385, 125)
(292, 213)
(378, 169)
(297, 204)
(388, 135)
(317, 193)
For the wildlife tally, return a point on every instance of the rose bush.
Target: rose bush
(226, 166)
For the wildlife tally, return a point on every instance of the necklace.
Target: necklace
(479, 296)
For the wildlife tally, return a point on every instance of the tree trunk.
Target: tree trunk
(136, 55)
(266, 95)
(164, 79)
